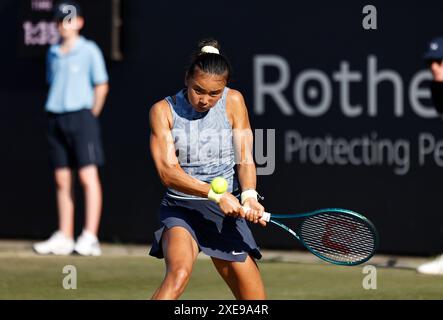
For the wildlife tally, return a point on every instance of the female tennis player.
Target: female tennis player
(198, 134)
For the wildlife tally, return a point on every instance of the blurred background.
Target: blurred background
(351, 109)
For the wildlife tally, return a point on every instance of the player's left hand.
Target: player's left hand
(254, 215)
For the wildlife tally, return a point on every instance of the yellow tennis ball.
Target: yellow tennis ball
(219, 185)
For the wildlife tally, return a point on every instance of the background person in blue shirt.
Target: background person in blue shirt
(78, 82)
(434, 60)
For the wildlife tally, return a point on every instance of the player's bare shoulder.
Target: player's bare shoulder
(235, 105)
(235, 99)
(160, 114)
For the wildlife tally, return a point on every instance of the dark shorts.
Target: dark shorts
(74, 140)
(217, 235)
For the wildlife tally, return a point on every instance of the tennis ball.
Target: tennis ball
(219, 185)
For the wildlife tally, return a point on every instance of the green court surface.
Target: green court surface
(134, 277)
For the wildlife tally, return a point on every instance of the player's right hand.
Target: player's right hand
(230, 206)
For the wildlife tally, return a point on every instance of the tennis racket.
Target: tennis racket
(338, 236)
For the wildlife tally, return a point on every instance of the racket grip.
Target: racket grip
(266, 215)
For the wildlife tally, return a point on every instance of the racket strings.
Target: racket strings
(341, 230)
(338, 237)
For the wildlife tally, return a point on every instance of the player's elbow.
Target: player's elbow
(166, 176)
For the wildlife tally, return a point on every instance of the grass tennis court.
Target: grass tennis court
(135, 277)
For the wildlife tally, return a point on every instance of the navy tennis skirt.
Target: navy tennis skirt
(217, 235)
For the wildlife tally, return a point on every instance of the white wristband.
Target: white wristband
(248, 194)
(216, 197)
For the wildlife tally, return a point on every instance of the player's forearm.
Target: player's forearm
(247, 176)
(100, 94)
(179, 180)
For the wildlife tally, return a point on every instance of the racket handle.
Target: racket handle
(266, 215)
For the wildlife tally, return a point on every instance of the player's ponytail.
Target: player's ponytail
(209, 59)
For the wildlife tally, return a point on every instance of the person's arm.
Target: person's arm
(243, 145)
(99, 77)
(163, 153)
(100, 94)
(243, 141)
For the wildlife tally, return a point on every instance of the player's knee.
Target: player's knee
(180, 278)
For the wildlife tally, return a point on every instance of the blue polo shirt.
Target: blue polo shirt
(73, 76)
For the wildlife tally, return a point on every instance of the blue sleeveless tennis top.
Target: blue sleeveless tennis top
(203, 141)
